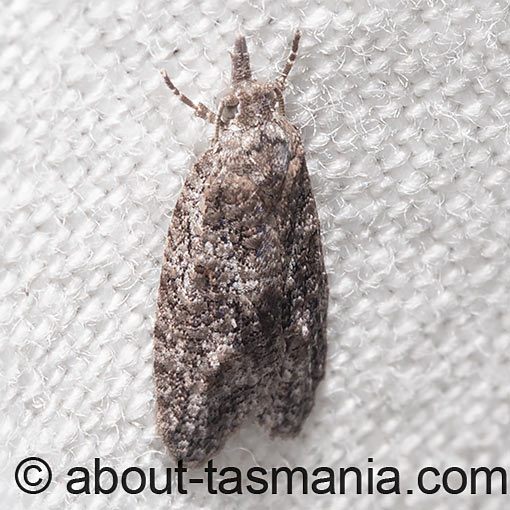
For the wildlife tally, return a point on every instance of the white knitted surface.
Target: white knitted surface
(405, 113)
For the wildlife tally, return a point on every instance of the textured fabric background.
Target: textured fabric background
(405, 113)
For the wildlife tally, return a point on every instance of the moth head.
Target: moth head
(249, 101)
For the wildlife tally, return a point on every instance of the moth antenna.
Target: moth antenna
(200, 110)
(240, 61)
(291, 59)
(280, 101)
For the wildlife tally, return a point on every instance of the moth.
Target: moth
(240, 328)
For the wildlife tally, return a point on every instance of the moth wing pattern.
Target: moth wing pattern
(240, 325)
(306, 292)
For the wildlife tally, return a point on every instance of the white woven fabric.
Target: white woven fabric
(405, 113)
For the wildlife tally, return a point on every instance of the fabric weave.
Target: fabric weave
(404, 109)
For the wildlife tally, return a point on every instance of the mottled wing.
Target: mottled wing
(218, 331)
(240, 327)
(305, 301)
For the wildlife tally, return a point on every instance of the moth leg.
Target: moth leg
(218, 119)
(226, 102)
(200, 110)
(291, 59)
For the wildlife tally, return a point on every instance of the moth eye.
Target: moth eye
(229, 111)
(269, 95)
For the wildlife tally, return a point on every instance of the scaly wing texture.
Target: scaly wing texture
(306, 301)
(235, 324)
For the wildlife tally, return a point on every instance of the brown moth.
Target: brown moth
(240, 329)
